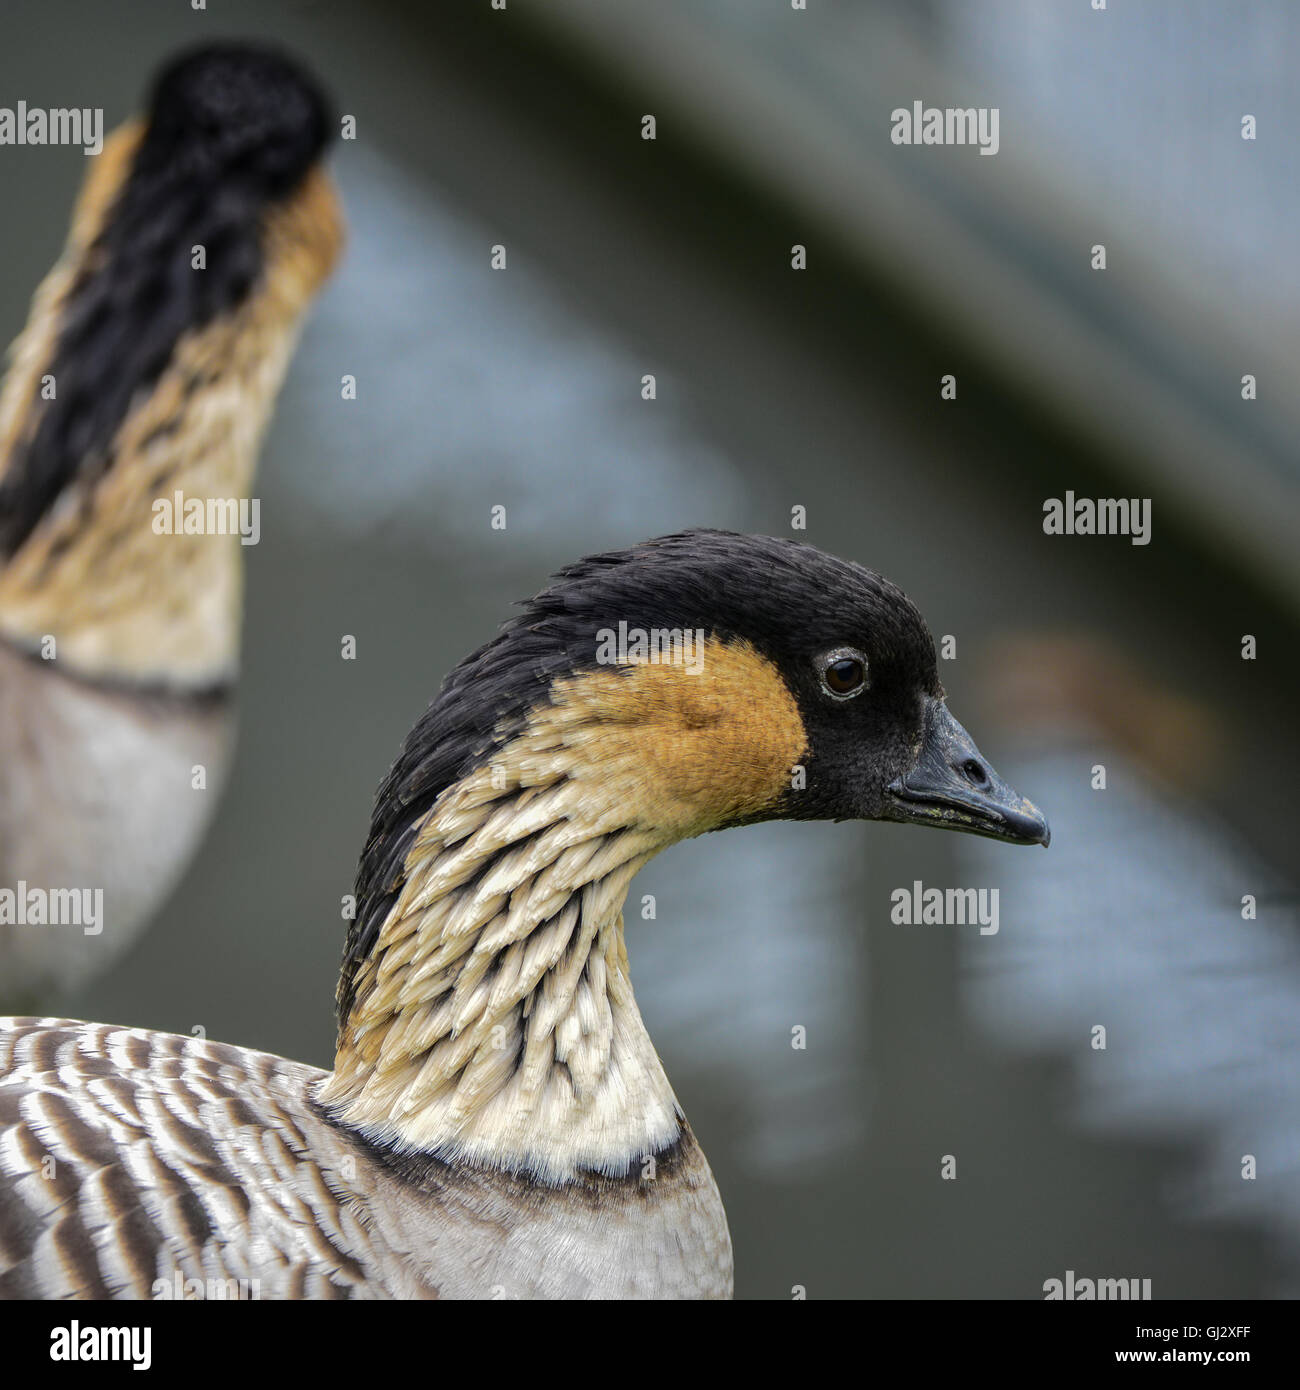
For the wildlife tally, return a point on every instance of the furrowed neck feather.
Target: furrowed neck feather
(495, 1022)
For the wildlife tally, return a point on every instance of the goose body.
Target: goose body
(497, 1123)
(186, 1165)
(146, 373)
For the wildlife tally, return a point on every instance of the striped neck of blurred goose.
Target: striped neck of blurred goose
(497, 1122)
(149, 365)
(146, 374)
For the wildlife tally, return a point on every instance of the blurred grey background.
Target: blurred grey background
(818, 389)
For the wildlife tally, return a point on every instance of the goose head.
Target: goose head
(824, 650)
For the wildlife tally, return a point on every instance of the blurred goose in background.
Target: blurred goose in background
(136, 399)
(498, 1123)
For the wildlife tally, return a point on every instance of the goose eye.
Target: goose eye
(844, 674)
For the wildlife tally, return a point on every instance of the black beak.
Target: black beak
(951, 786)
